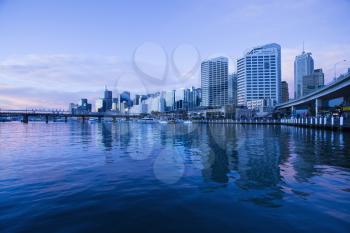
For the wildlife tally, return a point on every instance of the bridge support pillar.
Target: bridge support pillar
(114, 119)
(47, 119)
(292, 111)
(25, 119)
(65, 119)
(317, 106)
(99, 119)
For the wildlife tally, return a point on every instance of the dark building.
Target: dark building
(125, 97)
(313, 82)
(108, 100)
(285, 91)
(232, 89)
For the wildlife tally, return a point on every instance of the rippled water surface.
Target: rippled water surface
(131, 177)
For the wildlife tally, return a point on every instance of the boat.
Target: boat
(187, 122)
(147, 120)
(163, 122)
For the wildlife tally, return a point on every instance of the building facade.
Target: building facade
(108, 100)
(285, 91)
(214, 82)
(232, 89)
(259, 74)
(313, 82)
(303, 66)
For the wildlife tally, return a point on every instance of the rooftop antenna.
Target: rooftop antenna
(303, 47)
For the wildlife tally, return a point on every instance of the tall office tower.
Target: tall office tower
(170, 100)
(232, 89)
(259, 74)
(108, 99)
(313, 82)
(303, 65)
(214, 82)
(137, 99)
(285, 91)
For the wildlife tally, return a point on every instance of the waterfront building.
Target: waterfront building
(313, 82)
(82, 107)
(139, 108)
(285, 91)
(115, 104)
(194, 98)
(155, 103)
(108, 100)
(170, 100)
(125, 97)
(303, 66)
(232, 89)
(99, 105)
(214, 82)
(259, 74)
(260, 105)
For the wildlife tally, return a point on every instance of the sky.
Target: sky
(53, 52)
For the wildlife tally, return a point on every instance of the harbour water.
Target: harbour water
(133, 177)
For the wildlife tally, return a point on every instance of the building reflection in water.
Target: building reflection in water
(263, 159)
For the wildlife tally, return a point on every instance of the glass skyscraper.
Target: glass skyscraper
(214, 82)
(259, 74)
(303, 66)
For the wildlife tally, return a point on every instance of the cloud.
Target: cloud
(54, 80)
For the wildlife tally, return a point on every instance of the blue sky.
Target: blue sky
(53, 52)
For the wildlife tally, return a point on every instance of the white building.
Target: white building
(99, 105)
(259, 74)
(139, 109)
(155, 103)
(303, 66)
(214, 82)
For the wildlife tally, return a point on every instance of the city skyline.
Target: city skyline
(67, 56)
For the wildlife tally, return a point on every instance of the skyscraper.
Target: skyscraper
(108, 99)
(285, 91)
(214, 81)
(313, 82)
(303, 65)
(232, 89)
(170, 100)
(259, 74)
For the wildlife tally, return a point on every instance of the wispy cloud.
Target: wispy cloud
(54, 80)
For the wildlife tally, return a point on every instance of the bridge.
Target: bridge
(319, 100)
(47, 114)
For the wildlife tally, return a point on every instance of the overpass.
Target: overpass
(316, 100)
(47, 114)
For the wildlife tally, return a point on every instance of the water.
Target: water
(130, 177)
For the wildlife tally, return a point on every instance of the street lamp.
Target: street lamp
(335, 68)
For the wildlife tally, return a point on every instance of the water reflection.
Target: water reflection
(251, 155)
(128, 169)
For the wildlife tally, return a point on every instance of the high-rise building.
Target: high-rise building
(108, 99)
(303, 65)
(170, 100)
(125, 97)
(232, 89)
(313, 82)
(99, 105)
(285, 91)
(259, 74)
(214, 82)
